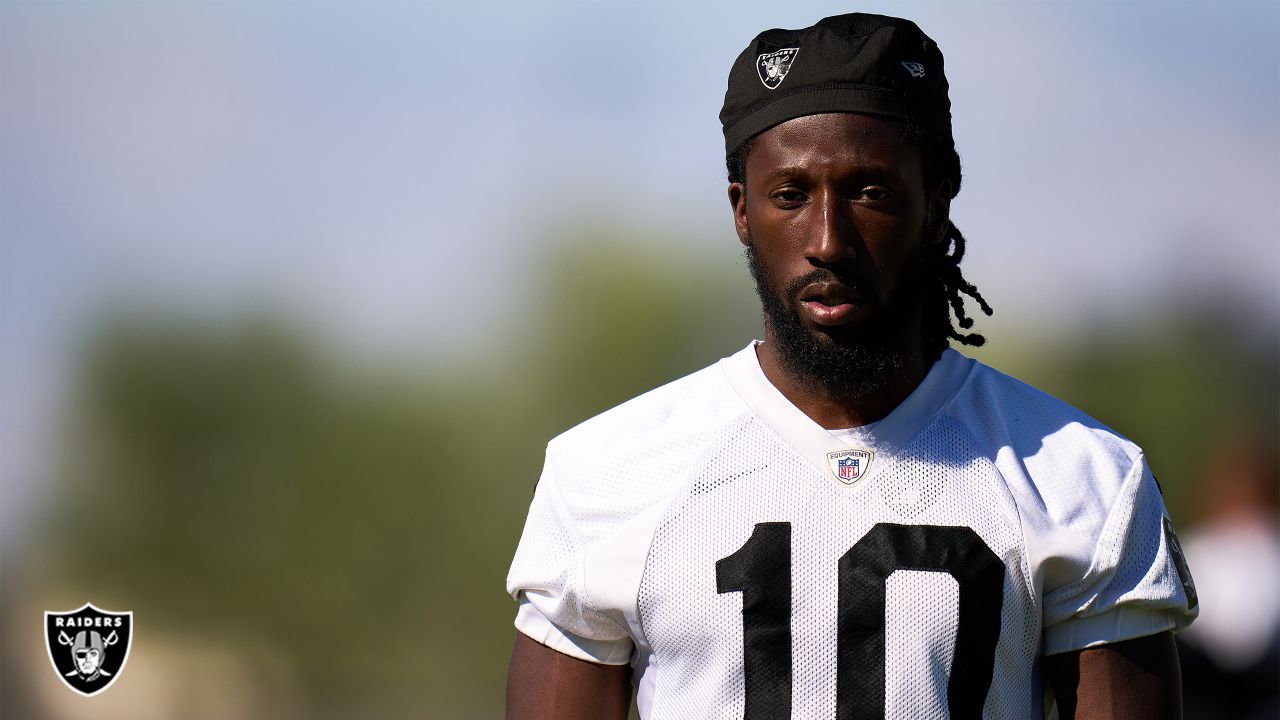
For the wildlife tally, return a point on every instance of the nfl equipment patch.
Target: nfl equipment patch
(849, 466)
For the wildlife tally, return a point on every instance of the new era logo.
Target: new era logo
(915, 68)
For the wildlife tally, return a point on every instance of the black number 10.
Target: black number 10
(761, 571)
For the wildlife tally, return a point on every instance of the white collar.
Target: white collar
(815, 443)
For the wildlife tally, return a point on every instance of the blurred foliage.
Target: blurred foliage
(359, 525)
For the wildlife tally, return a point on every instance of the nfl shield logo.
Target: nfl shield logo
(88, 647)
(849, 466)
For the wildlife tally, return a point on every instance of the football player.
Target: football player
(849, 519)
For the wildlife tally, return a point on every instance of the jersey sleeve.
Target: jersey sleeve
(546, 578)
(1124, 578)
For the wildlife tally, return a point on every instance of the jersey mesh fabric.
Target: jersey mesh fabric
(636, 455)
(924, 607)
(697, 634)
(637, 506)
(1091, 514)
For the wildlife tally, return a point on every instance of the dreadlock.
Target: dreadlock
(943, 296)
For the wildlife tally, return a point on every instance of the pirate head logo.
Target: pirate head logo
(88, 647)
(773, 67)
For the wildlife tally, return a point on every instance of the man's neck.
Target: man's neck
(835, 412)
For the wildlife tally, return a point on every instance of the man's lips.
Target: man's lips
(831, 303)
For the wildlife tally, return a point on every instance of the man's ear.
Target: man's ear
(940, 212)
(738, 201)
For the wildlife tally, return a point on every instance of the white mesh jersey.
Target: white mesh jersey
(708, 533)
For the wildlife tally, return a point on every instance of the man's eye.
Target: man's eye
(874, 194)
(789, 197)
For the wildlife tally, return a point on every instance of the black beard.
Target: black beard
(849, 363)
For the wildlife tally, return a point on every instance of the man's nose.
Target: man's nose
(832, 232)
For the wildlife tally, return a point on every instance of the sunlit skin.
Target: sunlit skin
(839, 192)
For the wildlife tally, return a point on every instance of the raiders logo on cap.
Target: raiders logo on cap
(773, 66)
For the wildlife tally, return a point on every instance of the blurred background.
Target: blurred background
(292, 296)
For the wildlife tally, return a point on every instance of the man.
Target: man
(849, 519)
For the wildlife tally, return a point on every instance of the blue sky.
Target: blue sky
(362, 162)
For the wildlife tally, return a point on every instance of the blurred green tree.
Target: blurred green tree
(245, 486)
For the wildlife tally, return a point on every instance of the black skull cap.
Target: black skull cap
(857, 63)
